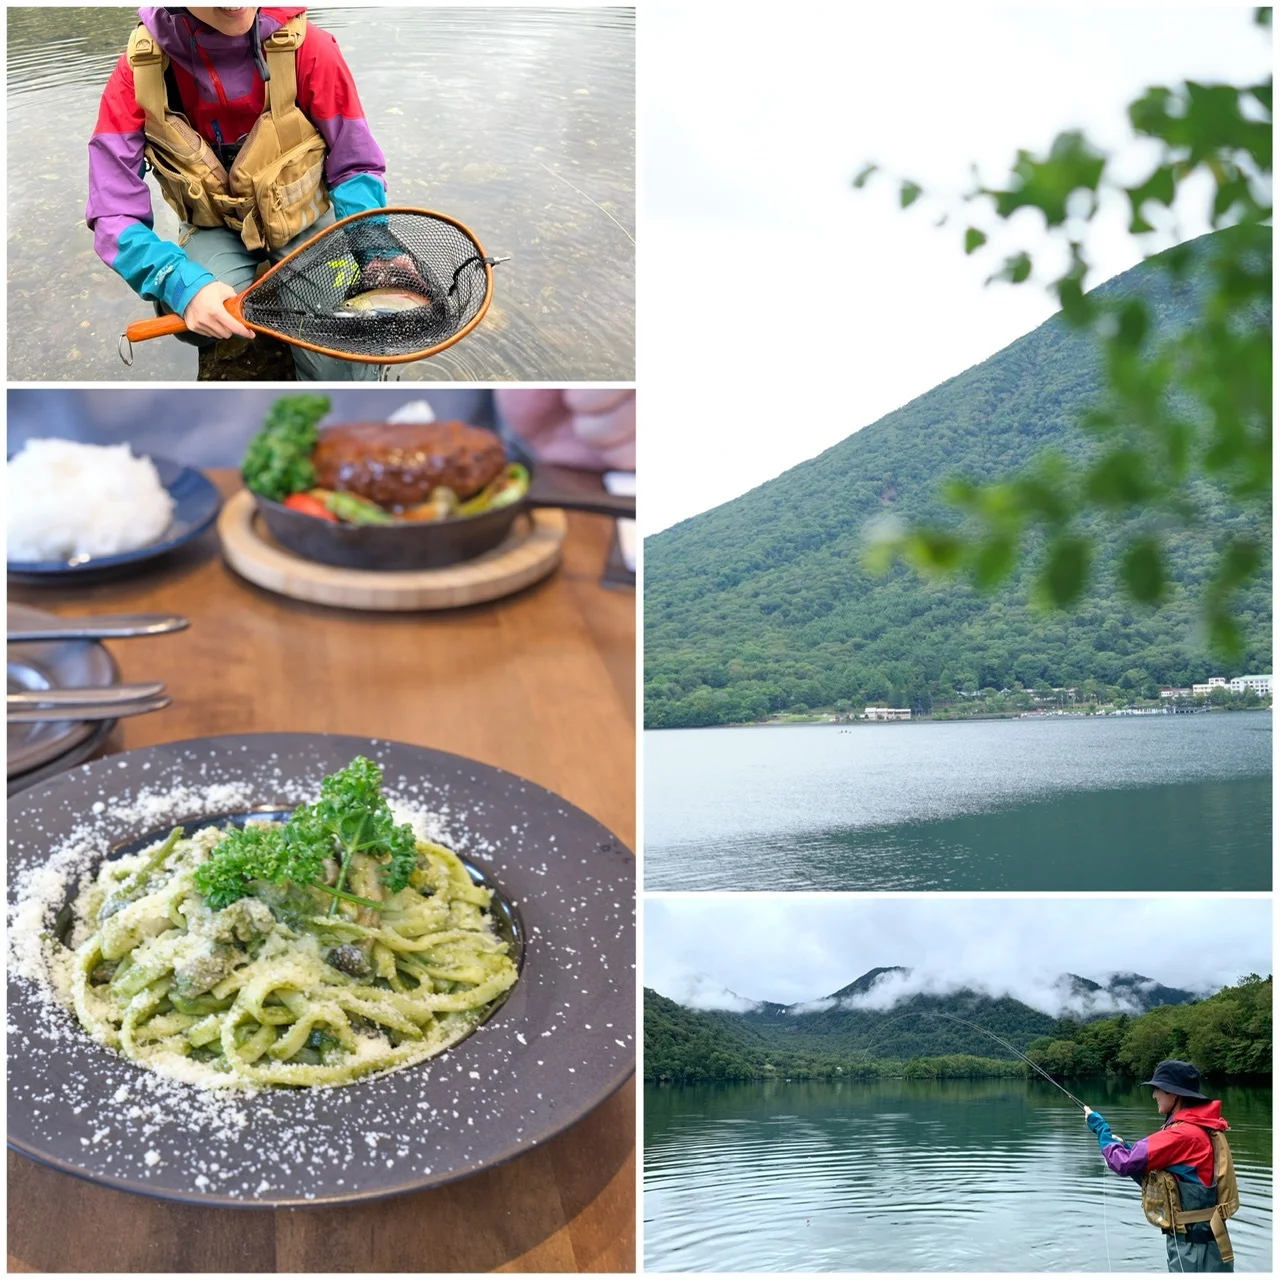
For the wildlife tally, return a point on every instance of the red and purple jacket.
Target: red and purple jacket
(1182, 1146)
(222, 94)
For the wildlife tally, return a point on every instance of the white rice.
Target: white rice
(70, 501)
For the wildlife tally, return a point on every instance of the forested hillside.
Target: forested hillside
(1226, 1035)
(764, 605)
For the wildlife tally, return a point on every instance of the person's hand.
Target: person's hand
(1088, 1111)
(206, 314)
(591, 429)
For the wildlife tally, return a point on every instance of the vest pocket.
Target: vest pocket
(290, 193)
(184, 194)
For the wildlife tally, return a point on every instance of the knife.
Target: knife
(88, 711)
(118, 626)
(86, 696)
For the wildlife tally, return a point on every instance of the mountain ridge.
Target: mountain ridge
(1228, 1032)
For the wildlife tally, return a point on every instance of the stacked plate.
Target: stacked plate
(38, 751)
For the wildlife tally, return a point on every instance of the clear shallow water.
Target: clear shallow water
(493, 116)
(984, 805)
(903, 1175)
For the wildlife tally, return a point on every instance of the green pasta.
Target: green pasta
(287, 985)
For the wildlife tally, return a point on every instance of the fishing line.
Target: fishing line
(597, 204)
(1106, 1238)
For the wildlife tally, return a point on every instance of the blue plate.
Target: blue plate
(196, 504)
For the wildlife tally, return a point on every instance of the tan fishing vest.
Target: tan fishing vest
(275, 187)
(1162, 1201)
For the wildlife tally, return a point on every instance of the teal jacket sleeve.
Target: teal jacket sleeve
(157, 269)
(358, 195)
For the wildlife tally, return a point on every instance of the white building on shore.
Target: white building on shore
(1214, 682)
(1261, 685)
(888, 713)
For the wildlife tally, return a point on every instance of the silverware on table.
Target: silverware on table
(88, 710)
(120, 626)
(107, 695)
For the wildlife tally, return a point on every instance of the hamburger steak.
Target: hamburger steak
(398, 465)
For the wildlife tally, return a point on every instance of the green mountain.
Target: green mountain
(762, 604)
(1227, 1034)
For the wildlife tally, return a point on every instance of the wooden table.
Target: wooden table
(542, 684)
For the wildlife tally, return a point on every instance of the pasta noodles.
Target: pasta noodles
(290, 984)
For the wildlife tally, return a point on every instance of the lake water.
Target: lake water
(520, 122)
(902, 1175)
(1114, 803)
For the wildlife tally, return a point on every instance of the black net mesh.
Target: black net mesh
(388, 285)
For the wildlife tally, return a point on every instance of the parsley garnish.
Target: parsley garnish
(352, 816)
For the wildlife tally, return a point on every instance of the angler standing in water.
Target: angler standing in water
(251, 123)
(1185, 1169)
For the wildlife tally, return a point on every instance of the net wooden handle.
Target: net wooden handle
(164, 325)
(154, 328)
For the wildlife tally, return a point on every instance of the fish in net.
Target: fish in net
(381, 287)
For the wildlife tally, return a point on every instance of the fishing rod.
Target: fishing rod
(1035, 1066)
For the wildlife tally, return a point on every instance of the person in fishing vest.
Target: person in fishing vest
(250, 121)
(1184, 1168)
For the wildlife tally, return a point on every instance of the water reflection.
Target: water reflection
(915, 1175)
(519, 122)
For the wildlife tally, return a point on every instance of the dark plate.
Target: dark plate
(561, 1044)
(101, 731)
(34, 666)
(196, 504)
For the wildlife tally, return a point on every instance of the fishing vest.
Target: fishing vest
(1173, 1206)
(275, 187)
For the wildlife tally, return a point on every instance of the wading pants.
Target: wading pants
(221, 251)
(1184, 1255)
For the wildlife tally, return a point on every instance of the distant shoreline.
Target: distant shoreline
(828, 720)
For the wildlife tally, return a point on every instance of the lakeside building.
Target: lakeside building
(888, 713)
(1261, 685)
(1214, 682)
(1176, 693)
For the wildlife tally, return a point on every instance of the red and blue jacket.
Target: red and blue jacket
(1182, 1146)
(222, 94)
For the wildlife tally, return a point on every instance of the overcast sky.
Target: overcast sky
(780, 310)
(793, 947)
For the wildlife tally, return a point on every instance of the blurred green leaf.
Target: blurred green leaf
(909, 194)
(1016, 269)
(1073, 164)
(974, 239)
(994, 561)
(1142, 570)
(864, 175)
(935, 549)
(1066, 569)
(1119, 479)
(1133, 324)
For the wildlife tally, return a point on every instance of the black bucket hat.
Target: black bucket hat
(1174, 1076)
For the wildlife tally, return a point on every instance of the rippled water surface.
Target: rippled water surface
(916, 1176)
(1058, 804)
(520, 122)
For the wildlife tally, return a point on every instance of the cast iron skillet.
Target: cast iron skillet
(436, 543)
